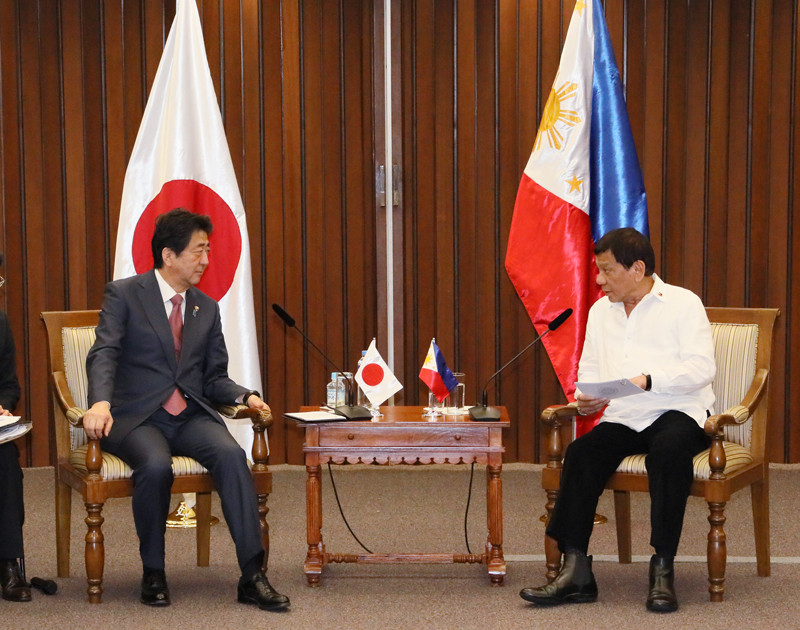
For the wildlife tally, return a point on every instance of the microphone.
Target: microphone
(484, 413)
(349, 411)
(48, 587)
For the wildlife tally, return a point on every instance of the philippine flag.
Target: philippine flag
(435, 373)
(582, 180)
(181, 159)
(375, 378)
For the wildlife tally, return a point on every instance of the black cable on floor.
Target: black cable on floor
(466, 513)
(336, 494)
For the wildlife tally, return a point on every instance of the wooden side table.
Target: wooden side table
(404, 436)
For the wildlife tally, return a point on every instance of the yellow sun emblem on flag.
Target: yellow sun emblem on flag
(554, 113)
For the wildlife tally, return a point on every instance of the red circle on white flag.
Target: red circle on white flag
(225, 240)
(372, 374)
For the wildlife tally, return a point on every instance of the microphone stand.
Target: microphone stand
(485, 413)
(349, 410)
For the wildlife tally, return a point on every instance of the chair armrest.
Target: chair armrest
(740, 413)
(717, 459)
(73, 413)
(756, 391)
(554, 418)
(261, 421)
(241, 411)
(559, 415)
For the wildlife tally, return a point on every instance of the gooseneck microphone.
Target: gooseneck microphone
(349, 411)
(484, 413)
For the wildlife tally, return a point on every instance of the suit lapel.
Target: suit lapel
(150, 297)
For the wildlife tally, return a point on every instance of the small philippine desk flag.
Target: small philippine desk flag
(435, 373)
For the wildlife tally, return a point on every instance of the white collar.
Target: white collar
(167, 292)
(657, 292)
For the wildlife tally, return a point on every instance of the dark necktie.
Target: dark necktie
(176, 403)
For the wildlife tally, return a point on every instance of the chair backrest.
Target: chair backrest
(735, 352)
(742, 346)
(70, 334)
(77, 340)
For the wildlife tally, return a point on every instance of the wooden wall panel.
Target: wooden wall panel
(709, 90)
(712, 91)
(293, 80)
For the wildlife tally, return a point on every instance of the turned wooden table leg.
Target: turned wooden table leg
(314, 558)
(494, 515)
(95, 552)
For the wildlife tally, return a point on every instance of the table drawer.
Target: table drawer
(453, 436)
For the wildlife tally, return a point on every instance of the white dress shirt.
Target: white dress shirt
(167, 293)
(668, 336)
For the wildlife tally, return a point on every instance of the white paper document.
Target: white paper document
(610, 389)
(9, 433)
(8, 420)
(315, 416)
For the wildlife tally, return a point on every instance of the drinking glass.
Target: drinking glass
(457, 397)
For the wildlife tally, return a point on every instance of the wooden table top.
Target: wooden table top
(401, 414)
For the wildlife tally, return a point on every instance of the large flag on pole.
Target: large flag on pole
(181, 159)
(582, 180)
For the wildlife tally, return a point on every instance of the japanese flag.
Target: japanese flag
(375, 378)
(181, 159)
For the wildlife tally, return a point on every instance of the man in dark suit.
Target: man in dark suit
(12, 509)
(158, 364)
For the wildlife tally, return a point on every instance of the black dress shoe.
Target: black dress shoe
(155, 591)
(573, 585)
(15, 589)
(257, 590)
(661, 597)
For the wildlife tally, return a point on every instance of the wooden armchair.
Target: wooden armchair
(736, 459)
(97, 476)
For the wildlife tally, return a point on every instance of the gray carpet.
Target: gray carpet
(405, 509)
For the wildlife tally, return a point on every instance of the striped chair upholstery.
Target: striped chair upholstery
(735, 348)
(77, 342)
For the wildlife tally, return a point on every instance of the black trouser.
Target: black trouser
(12, 508)
(149, 448)
(670, 443)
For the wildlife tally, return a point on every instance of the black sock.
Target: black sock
(574, 550)
(253, 565)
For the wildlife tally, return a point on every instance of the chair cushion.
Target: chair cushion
(736, 457)
(114, 468)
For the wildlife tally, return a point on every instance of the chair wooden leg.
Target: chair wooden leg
(759, 493)
(95, 552)
(202, 510)
(551, 552)
(552, 555)
(622, 513)
(717, 551)
(63, 518)
(263, 510)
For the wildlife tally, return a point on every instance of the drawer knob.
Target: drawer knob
(350, 436)
(458, 437)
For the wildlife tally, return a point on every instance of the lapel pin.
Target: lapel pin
(194, 313)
